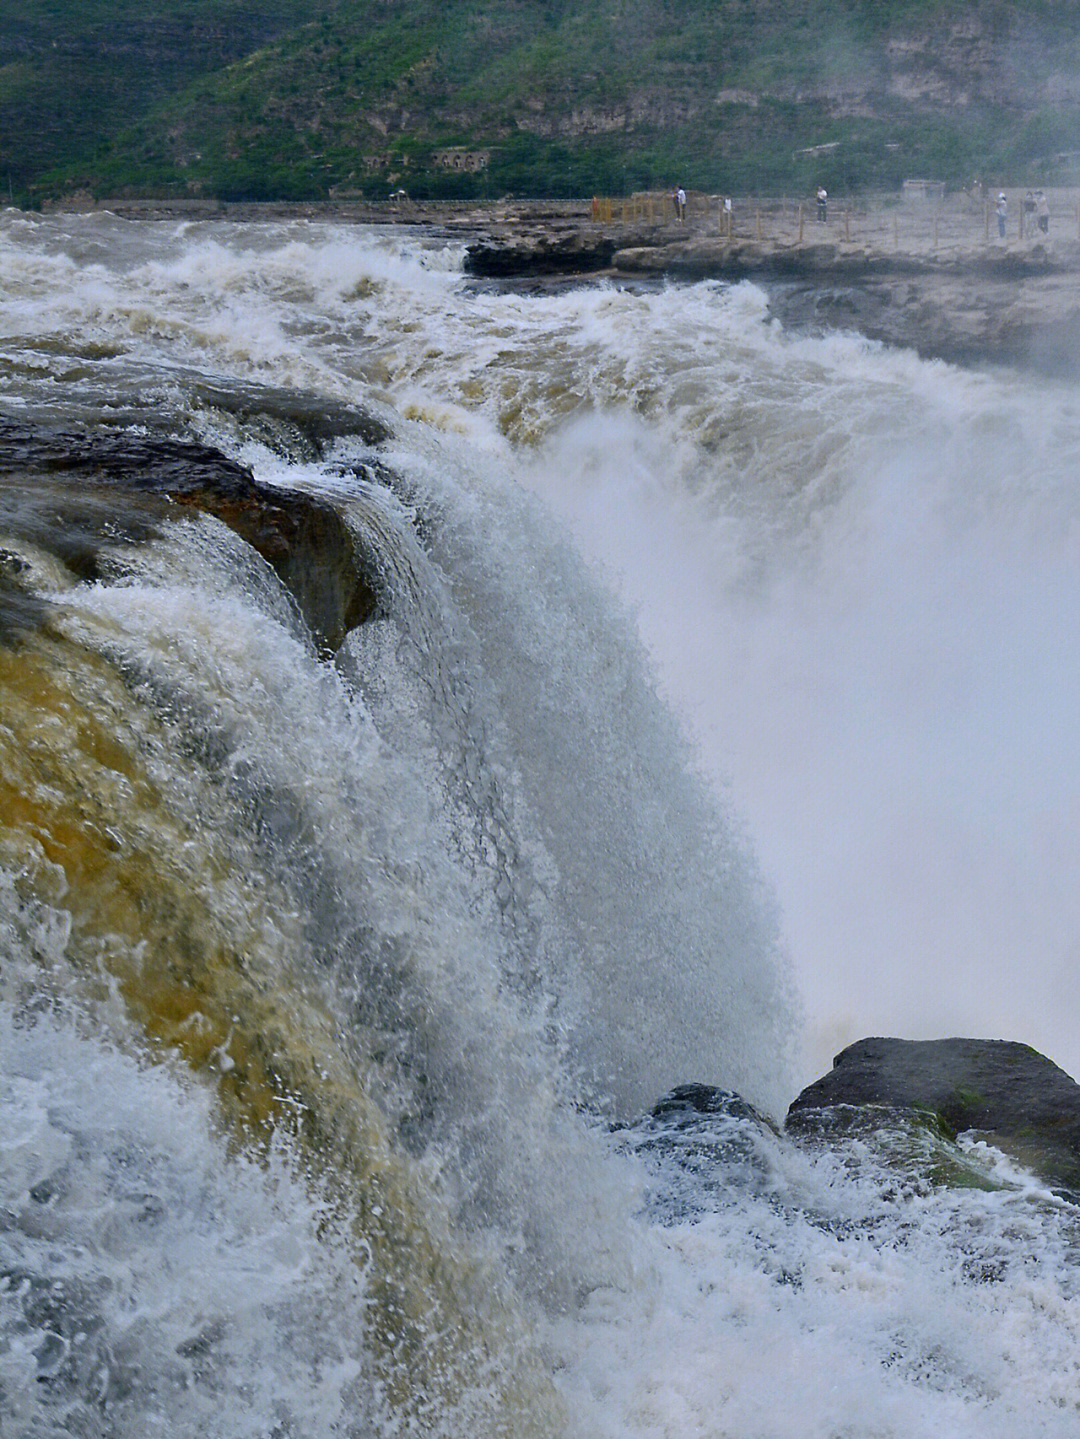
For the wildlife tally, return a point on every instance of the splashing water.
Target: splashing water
(325, 980)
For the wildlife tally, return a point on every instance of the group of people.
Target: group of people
(678, 201)
(1036, 213)
(1036, 210)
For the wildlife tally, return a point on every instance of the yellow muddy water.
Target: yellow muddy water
(189, 956)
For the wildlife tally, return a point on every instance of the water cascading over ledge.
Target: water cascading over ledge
(294, 817)
(124, 819)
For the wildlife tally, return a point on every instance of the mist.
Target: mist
(890, 700)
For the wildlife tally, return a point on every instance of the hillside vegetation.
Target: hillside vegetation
(285, 100)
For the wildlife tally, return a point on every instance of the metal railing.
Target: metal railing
(960, 221)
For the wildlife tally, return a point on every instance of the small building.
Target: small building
(457, 158)
(922, 191)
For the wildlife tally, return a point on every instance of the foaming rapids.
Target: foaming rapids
(335, 981)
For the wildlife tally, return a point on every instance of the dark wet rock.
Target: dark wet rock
(1006, 1093)
(20, 608)
(315, 421)
(913, 1147)
(704, 1148)
(687, 1104)
(77, 493)
(539, 252)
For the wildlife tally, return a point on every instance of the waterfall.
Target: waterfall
(340, 961)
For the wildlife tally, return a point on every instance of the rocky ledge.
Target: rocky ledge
(972, 303)
(919, 1115)
(81, 493)
(1028, 320)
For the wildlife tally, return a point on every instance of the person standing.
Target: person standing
(1042, 211)
(822, 203)
(1002, 211)
(680, 203)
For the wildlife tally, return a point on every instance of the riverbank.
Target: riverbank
(475, 216)
(935, 277)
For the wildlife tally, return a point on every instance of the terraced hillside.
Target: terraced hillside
(285, 100)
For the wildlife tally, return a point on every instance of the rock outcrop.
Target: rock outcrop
(547, 251)
(1015, 307)
(1031, 321)
(1006, 1093)
(705, 1147)
(76, 493)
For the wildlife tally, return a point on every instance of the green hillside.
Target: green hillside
(73, 73)
(283, 100)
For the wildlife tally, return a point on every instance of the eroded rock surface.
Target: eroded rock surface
(985, 305)
(705, 1148)
(554, 249)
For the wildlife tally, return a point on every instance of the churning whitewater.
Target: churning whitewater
(714, 709)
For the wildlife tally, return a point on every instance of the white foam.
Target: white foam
(151, 1283)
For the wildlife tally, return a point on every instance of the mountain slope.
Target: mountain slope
(73, 72)
(538, 96)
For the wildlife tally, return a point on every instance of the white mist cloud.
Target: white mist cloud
(893, 701)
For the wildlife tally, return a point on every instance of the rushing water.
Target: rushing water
(719, 711)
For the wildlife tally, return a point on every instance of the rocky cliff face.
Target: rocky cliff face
(734, 95)
(975, 61)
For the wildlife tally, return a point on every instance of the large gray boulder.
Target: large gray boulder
(1008, 1093)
